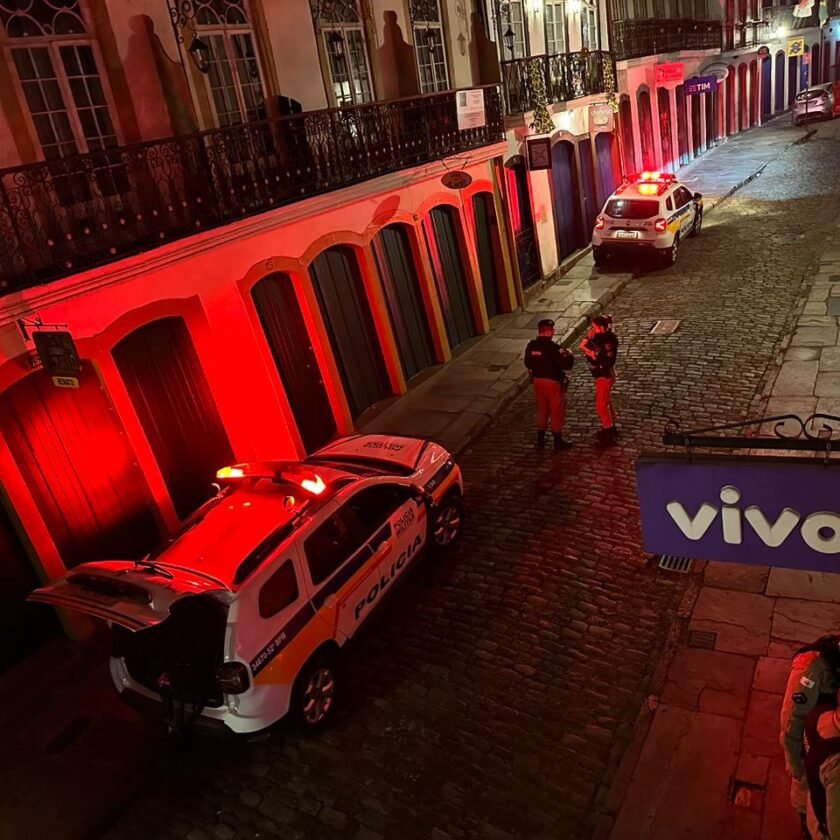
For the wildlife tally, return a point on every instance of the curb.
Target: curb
(804, 139)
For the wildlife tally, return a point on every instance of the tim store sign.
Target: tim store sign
(767, 511)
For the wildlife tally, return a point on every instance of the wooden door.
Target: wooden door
(175, 406)
(291, 347)
(487, 246)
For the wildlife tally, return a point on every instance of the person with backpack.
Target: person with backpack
(822, 769)
(549, 364)
(813, 681)
(601, 348)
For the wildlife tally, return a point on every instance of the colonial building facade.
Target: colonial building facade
(236, 209)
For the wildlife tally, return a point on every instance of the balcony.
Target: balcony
(566, 76)
(62, 216)
(638, 38)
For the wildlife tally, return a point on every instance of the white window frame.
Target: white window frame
(228, 32)
(440, 78)
(558, 17)
(519, 25)
(53, 43)
(324, 31)
(589, 25)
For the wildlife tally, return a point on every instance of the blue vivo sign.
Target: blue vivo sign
(768, 511)
(701, 84)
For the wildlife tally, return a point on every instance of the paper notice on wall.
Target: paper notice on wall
(470, 105)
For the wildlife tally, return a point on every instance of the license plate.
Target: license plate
(627, 234)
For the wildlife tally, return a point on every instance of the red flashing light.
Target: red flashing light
(314, 485)
(599, 223)
(660, 225)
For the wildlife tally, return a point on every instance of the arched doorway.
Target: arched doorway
(627, 144)
(605, 151)
(743, 99)
(816, 67)
(826, 64)
(394, 258)
(766, 88)
(590, 197)
(167, 387)
(755, 98)
(793, 79)
(646, 130)
(568, 224)
(72, 453)
(489, 250)
(696, 132)
(837, 62)
(780, 82)
(731, 103)
(344, 306)
(450, 275)
(522, 222)
(682, 125)
(663, 99)
(285, 331)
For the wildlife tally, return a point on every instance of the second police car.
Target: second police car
(649, 213)
(239, 616)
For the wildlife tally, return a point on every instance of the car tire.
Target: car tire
(599, 255)
(314, 694)
(698, 224)
(446, 522)
(669, 255)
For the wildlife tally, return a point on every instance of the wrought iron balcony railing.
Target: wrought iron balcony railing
(61, 216)
(637, 38)
(564, 76)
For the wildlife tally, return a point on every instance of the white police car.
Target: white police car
(240, 615)
(648, 213)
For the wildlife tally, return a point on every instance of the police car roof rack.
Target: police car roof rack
(801, 435)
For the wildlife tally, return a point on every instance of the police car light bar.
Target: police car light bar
(654, 177)
(279, 471)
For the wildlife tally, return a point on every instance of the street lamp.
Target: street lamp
(200, 54)
(510, 39)
(335, 43)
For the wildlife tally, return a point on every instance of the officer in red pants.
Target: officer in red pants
(601, 349)
(548, 363)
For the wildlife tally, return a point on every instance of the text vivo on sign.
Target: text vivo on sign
(768, 511)
(820, 531)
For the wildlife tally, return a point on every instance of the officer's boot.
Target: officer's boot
(560, 444)
(540, 439)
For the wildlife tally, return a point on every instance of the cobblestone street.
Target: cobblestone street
(496, 693)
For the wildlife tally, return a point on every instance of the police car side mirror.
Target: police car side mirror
(419, 496)
(698, 196)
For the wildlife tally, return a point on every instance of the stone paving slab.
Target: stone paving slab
(737, 576)
(686, 763)
(709, 681)
(741, 620)
(799, 621)
(802, 585)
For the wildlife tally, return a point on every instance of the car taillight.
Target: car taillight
(660, 225)
(233, 678)
(599, 223)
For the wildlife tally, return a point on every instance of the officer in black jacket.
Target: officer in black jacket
(548, 363)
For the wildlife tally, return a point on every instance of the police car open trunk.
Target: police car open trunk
(167, 626)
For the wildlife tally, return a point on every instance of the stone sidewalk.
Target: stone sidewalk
(707, 762)
(460, 399)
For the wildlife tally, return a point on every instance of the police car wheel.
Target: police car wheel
(698, 223)
(669, 255)
(447, 522)
(315, 693)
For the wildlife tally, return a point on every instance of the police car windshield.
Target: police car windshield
(631, 208)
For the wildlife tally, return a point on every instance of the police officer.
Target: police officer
(813, 681)
(601, 348)
(548, 363)
(822, 768)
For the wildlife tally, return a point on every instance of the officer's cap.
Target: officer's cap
(546, 324)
